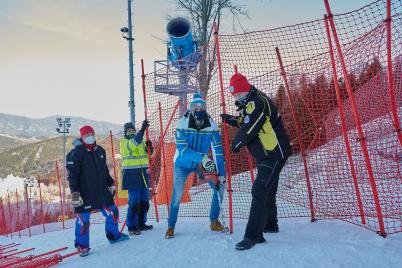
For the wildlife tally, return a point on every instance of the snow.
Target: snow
(298, 244)
(10, 184)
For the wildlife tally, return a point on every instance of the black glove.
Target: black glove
(234, 148)
(148, 143)
(230, 119)
(145, 125)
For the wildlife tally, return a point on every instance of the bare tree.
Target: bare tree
(203, 13)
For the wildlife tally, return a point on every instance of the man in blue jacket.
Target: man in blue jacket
(196, 133)
(92, 188)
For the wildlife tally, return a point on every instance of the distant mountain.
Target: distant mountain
(8, 142)
(46, 127)
(32, 158)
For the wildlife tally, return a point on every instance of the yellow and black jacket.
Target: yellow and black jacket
(261, 128)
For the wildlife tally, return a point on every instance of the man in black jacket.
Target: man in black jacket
(262, 131)
(92, 188)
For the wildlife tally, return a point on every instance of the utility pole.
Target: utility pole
(129, 37)
(64, 128)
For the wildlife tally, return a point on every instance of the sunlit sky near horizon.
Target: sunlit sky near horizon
(67, 57)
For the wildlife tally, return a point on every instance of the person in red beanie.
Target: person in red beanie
(92, 188)
(261, 130)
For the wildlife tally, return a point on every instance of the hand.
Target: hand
(235, 149)
(207, 164)
(230, 119)
(112, 190)
(145, 125)
(226, 117)
(148, 143)
(222, 180)
(76, 199)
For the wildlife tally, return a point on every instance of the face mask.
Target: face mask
(130, 133)
(241, 100)
(199, 115)
(90, 139)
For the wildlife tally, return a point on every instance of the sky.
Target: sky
(67, 57)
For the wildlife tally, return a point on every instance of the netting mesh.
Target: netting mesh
(330, 159)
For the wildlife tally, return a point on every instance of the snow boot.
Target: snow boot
(216, 226)
(169, 233)
(123, 237)
(146, 227)
(83, 251)
(134, 231)
(273, 228)
(247, 243)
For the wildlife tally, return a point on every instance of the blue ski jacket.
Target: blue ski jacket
(192, 143)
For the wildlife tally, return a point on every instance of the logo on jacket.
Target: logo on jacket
(250, 107)
(246, 119)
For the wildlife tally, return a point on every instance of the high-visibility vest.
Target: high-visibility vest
(133, 155)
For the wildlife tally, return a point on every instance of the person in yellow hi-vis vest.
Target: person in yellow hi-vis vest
(133, 150)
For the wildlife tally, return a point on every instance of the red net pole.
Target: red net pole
(143, 76)
(3, 226)
(299, 134)
(167, 127)
(343, 123)
(18, 252)
(116, 181)
(225, 129)
(18, 214)
(391, 88)
(61, 198)
(163, 156)
(9, 214)
(249, 158)
(27, 202)
(41, 205)
(356, 117)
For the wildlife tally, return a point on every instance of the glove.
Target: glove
(207, 164)
(148, 144)
(222, 180)
(112, 190)
(145, 125)
(76, 199)
(230, 119)
(234, 148)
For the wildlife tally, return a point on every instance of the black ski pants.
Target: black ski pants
(263, 205)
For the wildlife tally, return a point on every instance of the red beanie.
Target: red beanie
(85, 130)
(239, 83)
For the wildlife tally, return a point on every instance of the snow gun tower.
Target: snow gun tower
(176, 74)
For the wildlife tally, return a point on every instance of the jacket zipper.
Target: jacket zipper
(196, 144)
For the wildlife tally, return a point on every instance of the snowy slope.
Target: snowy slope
(299, 244)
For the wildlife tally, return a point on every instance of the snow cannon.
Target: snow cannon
(181, 48)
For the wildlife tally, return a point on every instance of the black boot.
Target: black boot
(272, 228)
(247, 243)
(146, 227)
(134, 231)
(144, 207)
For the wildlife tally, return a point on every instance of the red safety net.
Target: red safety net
(346, 137)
